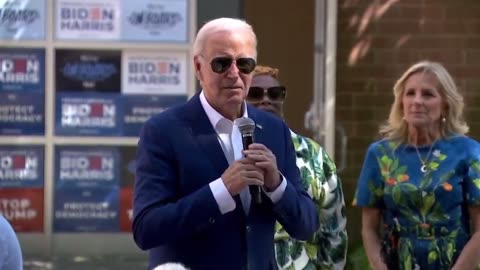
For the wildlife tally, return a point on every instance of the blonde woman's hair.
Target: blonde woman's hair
(395, 128)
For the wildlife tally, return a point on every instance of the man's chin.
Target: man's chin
(234, 91)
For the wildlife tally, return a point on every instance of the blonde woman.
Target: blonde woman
(422, 181)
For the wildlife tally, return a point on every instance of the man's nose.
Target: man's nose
(233, 71)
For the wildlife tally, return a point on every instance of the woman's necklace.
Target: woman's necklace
(424, 167)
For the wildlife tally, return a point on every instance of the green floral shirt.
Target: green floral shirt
(328, 248)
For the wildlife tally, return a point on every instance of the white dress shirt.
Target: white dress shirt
(230, 139)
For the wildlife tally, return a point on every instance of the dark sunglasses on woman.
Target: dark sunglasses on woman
(274, 93)
(221, 64)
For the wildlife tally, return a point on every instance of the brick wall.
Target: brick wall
(377, 42)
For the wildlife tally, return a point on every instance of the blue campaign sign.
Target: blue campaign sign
(139, 108)
(22, 19)
(155, 20)
(22, 114)
(21, 166)
(80, 167)
(22, 70)
(86, 209)
(88, 70)
(87, 114)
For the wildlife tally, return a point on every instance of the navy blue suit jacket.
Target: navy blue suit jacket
(176, 216)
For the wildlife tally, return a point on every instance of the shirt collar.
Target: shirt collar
(213, 115)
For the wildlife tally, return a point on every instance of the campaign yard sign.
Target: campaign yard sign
(22, 114)
(86, 210)
(22, 91)
(22, 19)
(154, 73)
(21, 166)
(88, 71)
(22, 70)
(22, 187)
(87, 191)
(137, 109)
(155, 20)
(87, 114)
(88, 19)
(78, 167)
(23, 208)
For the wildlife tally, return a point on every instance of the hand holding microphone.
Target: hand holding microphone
(242, 173)
(247, 127)
(265, 160)
(262, 157)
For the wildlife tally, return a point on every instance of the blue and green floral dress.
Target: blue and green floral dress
(428, 210)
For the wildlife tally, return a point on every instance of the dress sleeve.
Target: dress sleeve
(369, 191)
(333, 229)
(472, 181)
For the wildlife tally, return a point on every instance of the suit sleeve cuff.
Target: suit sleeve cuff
(277, 194)
(223, 198)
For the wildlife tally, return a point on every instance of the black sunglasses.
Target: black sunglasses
(221, 64)
(274, 93)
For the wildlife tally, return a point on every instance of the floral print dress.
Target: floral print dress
(429, 210)
(328, 248)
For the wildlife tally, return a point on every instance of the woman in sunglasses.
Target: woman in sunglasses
(329, 244)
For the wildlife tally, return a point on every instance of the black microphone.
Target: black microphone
(247, 127)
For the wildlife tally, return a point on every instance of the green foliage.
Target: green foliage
(357, 259)
(282, 252)
(296, 250)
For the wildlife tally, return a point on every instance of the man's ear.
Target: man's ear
(196, 66)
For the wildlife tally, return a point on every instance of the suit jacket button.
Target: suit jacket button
(211, 220)
(247, 228)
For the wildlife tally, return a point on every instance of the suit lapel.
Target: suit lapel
(205, 136)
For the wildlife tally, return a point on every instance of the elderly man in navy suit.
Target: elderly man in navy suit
(192, 202)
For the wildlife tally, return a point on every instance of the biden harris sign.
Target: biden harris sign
(22, 70)
(88, 19)
(154, 73)
(86, 189)
(22, 88)
(87, 115)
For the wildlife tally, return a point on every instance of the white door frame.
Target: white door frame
(320, 119)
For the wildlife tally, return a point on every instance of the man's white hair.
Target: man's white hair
(218, 25)
(170, 266)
